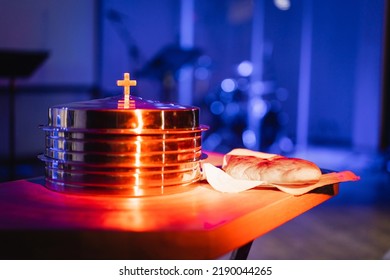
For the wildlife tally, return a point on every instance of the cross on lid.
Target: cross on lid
(126, 83)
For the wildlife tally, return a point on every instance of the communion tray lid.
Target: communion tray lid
(114, 115)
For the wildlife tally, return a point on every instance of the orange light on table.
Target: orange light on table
(198, 224)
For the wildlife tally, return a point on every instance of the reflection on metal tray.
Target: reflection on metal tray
(66, 164)
(129, 159)
(121, 135)
(124, 180)
(137, 145)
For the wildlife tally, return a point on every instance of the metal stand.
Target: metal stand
(17, 64)
(242, 252)
(11, 128)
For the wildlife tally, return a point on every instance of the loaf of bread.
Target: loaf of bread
(273, 169)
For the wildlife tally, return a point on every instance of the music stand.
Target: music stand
(17, 64)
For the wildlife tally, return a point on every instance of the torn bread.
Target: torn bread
(273, 169)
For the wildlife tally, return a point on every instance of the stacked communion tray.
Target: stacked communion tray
(122, 145)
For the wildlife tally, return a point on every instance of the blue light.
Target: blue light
(283, 5)
(212, 142)
(249, 138)
(232, 109)
(259, 107)
(202, 73)
(245, 68)
(228, 85)
(257, 87)
(226, 97)
(217, 107)
(286, 145)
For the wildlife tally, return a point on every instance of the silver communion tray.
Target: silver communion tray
(120, 146)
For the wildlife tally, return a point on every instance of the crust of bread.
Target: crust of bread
(276, 170)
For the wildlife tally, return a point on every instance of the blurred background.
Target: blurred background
(296, 77)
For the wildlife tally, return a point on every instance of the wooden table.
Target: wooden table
(201, 223)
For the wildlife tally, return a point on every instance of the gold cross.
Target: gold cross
(126, 83)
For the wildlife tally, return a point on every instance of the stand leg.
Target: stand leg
(11, 136)
(242, 252)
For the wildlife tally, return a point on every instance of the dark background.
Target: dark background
(318, 75)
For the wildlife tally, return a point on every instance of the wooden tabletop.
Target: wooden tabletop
(201, 223)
